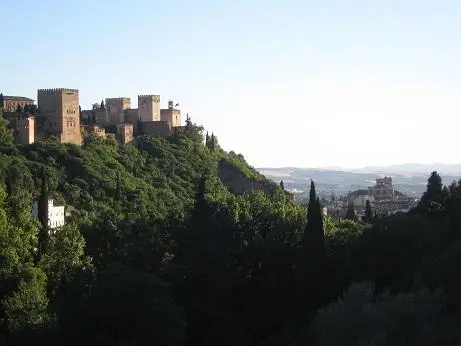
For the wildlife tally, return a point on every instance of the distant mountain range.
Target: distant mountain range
(410, 178)
(416, 168)
(405, 168)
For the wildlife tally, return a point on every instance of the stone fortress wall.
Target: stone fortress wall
(59, 114)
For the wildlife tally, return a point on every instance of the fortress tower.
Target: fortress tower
(171, 115)
(149, 108)
(60, 111)
(116, 107)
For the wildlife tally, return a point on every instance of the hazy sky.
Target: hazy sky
(286, 83)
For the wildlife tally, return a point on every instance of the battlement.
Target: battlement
(56, 90)
(118, 99)
(156, 98)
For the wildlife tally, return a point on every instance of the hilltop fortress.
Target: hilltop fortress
(148, 118)
(59, 114)
(383, 198)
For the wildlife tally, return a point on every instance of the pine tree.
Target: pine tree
(368, 212)
(434, 184)
(434, 194)
(282, 185)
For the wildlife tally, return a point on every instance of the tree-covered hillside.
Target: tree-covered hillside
(175, 242)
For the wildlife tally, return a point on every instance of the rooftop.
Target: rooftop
(17, 98)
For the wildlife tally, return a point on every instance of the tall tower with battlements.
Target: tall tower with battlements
(59, 109)
(116, 109)
(149, 108)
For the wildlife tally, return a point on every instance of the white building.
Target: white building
(55, 214)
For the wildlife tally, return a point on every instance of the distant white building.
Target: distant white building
(325, 211)
(55, 214)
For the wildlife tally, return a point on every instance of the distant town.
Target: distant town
(340, 191)
(383, 199)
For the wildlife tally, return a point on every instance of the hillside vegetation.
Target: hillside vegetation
(176, 242)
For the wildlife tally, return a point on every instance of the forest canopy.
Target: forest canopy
(173, 241)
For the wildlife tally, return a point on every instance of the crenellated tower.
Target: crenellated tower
(59, 109)
(149, 108)
(116, 109)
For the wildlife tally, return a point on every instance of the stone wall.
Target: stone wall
(159, 128)
(131, 116)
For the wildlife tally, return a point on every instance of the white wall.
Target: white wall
(56, 214)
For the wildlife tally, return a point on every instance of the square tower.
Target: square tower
(171, 115)
(149, 108)
(116, 107)
(26, 129)
(60, 110)
(125, 133)
(23, 125)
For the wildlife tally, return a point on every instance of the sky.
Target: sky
(286, 83)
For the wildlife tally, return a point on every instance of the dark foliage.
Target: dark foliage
(157, 250)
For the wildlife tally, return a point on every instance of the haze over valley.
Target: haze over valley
(410, 179)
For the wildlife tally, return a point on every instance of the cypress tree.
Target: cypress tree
(313, 234)
(311, 271)
(43, 214)
(212, 142)
(368, 212)
(350, 214)
(188, 121)
(205, 251)
(282, 185)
